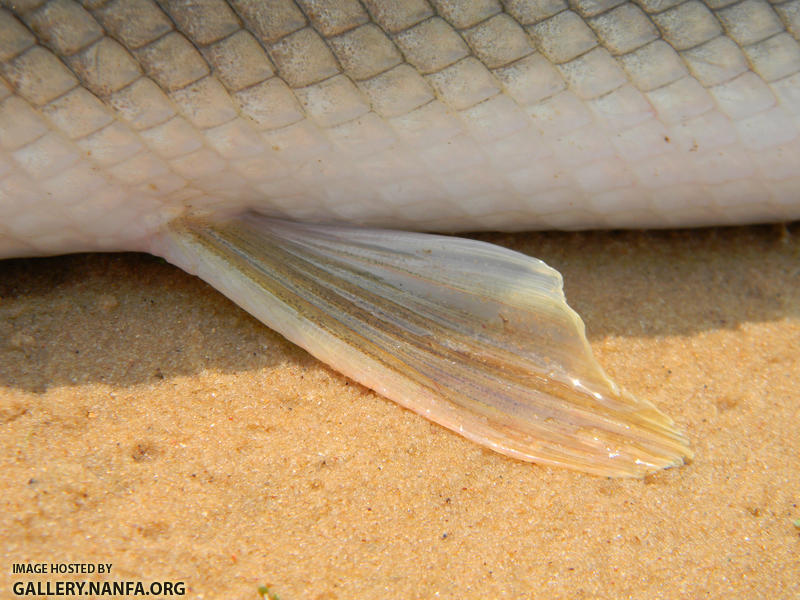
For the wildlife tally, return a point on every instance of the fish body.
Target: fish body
(118, 117)
(241, 139)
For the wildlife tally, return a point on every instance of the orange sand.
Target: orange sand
(149, 423)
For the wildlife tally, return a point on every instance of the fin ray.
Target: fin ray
(473, 336)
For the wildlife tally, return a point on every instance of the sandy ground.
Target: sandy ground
(147, 422)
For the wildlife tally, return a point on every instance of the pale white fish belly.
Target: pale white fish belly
(117, 116)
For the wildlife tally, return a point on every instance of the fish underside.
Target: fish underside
(266, 146)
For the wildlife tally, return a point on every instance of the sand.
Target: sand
(149, 423)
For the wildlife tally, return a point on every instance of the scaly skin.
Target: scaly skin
(116, 117)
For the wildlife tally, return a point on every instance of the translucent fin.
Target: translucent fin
(470, 335)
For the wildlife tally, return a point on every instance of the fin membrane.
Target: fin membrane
(470, 335)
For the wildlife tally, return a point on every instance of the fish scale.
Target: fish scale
(116, 117)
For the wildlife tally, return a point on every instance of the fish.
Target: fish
(304, 157)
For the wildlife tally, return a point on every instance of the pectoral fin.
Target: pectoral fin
(470, 335)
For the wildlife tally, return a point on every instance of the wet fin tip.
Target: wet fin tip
(475, 337)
